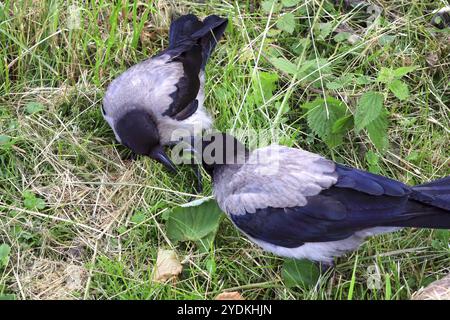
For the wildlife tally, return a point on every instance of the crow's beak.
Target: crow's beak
(159, 155)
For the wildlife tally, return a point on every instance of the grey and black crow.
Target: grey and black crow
(298, 204)
(150, 100)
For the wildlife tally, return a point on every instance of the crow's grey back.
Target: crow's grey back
(274, 176)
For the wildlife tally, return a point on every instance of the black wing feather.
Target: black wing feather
(191, 43)
(359, 200)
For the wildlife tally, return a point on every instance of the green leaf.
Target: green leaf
(325, 29)
(198, 222)
(32, 202)
(211, 266)
(322, 116)
(342, 124)
(5, 250)
(284, 65)
(363, 80)
(402, 71)
(205, 244)
(368, 109)
(267, 6)
(340, 82)
(342, 36)
(377, 131)
(303, 273)
(334, 85)
(399, 89)
(290, 3)
(385, 75)
(286, 23)
(34, 107)
(373, 161)
(309, 69)
(138, 217)
(7, 297)
(264, 85)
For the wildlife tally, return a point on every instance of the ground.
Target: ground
(81, 222)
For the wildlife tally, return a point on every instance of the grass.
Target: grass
(83, 240)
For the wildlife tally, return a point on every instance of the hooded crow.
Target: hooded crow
(298, 204)
(150, 100)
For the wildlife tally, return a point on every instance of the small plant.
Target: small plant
(32, 202)
(392, 79)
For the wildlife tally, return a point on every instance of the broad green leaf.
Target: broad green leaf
(4, 254)
(399, 89)
(325, 29)
(342, 124)
(290, 3)
(322, 116)
(267, 6)
(340, 82)
(402, 71)
(194, 223)
(368, 109)
(284, 65)
(377, 131)
(334, 85)
(264, 85)
(309, 69)
(34, 107)
(7, 297)
(303, 273)
(286, 23)
(385, 75)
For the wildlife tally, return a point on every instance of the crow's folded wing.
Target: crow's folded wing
(356, 200)
(191, 43)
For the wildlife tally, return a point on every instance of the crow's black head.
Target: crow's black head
(138, 131)
(216, 149)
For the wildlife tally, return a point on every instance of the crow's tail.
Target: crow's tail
(430, 207)
(435, 193)
(206, 33)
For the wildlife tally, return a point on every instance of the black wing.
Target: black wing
(359, 200)
(184, 102)
(191, 43)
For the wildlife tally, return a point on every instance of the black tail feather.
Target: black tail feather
(182, 28)
(209, 41)
(207, 33)
(420, 215)
(435, 193)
